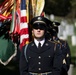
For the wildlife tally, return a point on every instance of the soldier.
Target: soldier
(64, 47)
(40, 60)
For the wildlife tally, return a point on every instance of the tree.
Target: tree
(57, 7)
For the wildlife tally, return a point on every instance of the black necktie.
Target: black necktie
(39, 45)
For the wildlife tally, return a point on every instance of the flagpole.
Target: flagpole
(29, 10)
(30, 28)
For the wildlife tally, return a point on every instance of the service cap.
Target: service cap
(40, 22)
(56, 24)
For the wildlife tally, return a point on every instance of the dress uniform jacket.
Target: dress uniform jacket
(66, 55)
(47, 59)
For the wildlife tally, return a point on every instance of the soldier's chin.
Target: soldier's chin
(39, 38)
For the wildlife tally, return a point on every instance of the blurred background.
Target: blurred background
(63, 11)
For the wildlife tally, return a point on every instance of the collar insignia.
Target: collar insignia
(32, 44)
(46, 44)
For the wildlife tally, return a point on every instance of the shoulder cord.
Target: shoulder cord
(25, 52)
(56, 45)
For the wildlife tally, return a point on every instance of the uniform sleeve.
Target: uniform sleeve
(68, 56)
(57, 62)
(23, 65)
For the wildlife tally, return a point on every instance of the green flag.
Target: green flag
(7, 50)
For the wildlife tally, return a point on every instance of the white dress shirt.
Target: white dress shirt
(37, 42)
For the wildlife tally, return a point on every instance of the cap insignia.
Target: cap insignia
(39, 18)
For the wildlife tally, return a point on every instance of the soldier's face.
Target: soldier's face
(38, 33)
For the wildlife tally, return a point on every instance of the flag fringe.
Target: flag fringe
(5, 63)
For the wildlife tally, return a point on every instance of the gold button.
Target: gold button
(29, 57)
(49, 56)
(39, 57)
(39, 68)
(39, 62)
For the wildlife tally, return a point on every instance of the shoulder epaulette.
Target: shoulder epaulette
(51, 41)
(56, 43)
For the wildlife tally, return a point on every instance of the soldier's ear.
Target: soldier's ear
(32, 34)
(32, 31)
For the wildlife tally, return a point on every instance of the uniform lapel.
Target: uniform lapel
(45, 47)
(34, 48)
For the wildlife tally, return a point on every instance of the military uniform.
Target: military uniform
(47, 59)
(66, 57)
(63, 45)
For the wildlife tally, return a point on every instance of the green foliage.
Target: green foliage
(72, 48)
(74, 71)
(57, 7)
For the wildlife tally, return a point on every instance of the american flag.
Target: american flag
(24, 34)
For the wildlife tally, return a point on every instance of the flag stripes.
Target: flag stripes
(24, 34)
(24, 19)
(23, 31)
(23, 25)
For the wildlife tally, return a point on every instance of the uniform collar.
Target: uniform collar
(46, 45)
(36, 42)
